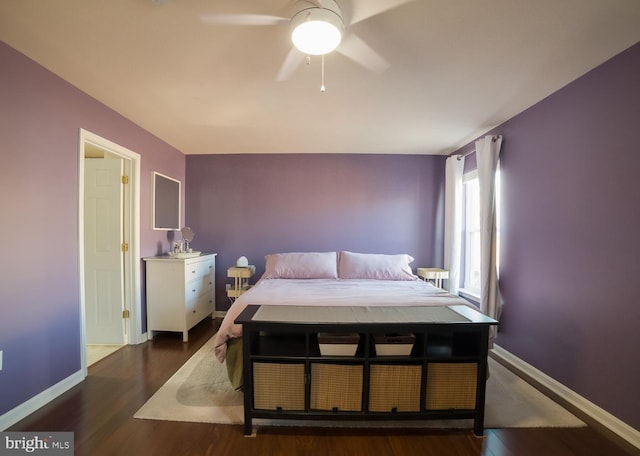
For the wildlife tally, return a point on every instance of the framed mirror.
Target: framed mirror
(166, 202)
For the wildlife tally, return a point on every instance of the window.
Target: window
(471, 239)
(471, 235)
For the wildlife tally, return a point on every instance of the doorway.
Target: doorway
(108, 244)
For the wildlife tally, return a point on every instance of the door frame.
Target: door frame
(131, 207)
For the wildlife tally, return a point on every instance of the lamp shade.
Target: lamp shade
(316, 31)
(242, 262)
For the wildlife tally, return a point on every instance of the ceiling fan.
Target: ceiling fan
(319, 27)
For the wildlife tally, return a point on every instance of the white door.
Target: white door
(104, 260)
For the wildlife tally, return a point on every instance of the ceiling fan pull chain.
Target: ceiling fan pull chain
(322, 89)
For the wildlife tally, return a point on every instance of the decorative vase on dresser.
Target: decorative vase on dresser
(180, 292)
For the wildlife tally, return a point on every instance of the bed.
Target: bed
(327, 279)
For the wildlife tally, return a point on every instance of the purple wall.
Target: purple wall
(254, 205)
(570, 254)
(40, 118)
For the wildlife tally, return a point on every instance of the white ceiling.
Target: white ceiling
(458, 68)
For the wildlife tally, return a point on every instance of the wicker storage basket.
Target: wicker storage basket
(336, 387)
(394, 387)
(333, 344)
(451, 386)
(278, 386)
(394, 344)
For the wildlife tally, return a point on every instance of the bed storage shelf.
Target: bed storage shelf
(287, 345)
(442, 376)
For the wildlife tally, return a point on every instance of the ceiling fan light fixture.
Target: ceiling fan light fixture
(316, 31)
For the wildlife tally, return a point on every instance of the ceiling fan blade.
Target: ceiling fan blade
(360, 52)
(243, 19)
(365, 9)
(290, 65)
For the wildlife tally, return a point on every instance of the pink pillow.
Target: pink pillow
(375, 266)
(301, 265)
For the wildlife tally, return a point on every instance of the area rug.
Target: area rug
(200, 392)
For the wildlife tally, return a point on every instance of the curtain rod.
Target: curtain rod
(461, 156)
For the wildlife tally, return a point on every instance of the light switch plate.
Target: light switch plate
(0, 360)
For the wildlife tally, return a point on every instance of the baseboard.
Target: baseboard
(219, 313)
(142, 338)
(27, 408)
(572, 401)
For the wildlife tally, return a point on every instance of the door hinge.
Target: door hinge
(124, 247)
(125, 179)
(125, 314)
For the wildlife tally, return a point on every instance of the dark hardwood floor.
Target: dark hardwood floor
(100, 413)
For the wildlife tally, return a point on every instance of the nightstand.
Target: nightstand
(241, 276)
(435, 274)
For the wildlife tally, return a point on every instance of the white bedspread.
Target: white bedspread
(330, 292)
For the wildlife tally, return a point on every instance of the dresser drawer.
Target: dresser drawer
(199, 308)
(197, 269)
(197, 287)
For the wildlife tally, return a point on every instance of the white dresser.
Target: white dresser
(180, 292)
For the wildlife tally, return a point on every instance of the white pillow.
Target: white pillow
(374, 266)
(301, 265)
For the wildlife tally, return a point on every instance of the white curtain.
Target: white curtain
(453, 220)
(487, 155)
